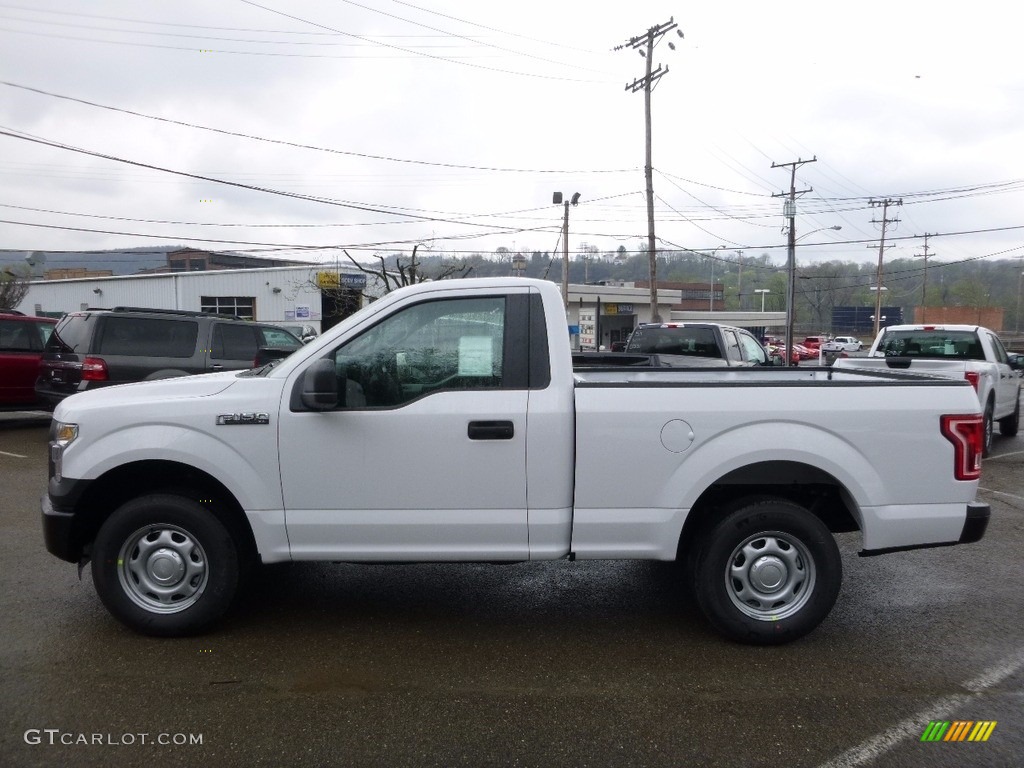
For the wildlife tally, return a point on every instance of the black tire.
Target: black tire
(988, 428)
(768, 573)
(1009, 425)
(164, 565)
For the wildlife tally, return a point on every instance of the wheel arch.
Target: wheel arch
(140, 478)
(810, 487)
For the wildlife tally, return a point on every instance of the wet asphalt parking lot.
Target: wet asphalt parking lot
(581, 664)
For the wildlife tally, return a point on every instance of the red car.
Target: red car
(21, 346)
(800, 352)
(804, 352)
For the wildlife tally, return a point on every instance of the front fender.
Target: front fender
(243, 459)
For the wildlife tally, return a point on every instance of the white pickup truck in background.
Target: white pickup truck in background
(968, 352)
(445, 422)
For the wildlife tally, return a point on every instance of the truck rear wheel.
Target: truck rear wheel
(989, 429)
(768, 573)
(1008, 426)
(165, 565)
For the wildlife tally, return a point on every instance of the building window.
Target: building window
(237, 306)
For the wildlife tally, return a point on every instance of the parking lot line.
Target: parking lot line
(1001, 493)
(1003, 455)
(13, 455)
(911, 728)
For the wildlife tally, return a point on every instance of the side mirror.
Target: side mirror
(320, 386)
(1016, 361)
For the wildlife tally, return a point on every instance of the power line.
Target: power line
(238, 185)
(462, 37)
(408, 50)
(297, 145)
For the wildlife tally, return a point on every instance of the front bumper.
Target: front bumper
(63, 531)
(59, 532)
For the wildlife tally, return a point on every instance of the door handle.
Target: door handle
(491, 430)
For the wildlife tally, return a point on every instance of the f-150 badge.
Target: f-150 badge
(243, 418)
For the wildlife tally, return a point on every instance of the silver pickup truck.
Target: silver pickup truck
(968, 352)
(445, 423)
(704, 345)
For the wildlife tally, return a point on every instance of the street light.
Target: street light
(835, 227)
(711, 297)
(762, 291)
(556, 199)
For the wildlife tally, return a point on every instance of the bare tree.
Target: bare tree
(408, 273)
(13, 287)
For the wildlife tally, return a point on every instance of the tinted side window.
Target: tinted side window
(16, 336)
(72, 334)
(45, 329)
(147, 337)
(999, 350)
(429, 347)
(234, 341)
(732, 346)
(751, 349)
(277, 337)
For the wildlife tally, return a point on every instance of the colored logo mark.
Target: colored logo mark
(958, 730)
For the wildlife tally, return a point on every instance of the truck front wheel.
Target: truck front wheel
(165, 565)
(768, 573)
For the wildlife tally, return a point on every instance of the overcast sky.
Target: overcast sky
(382, 124)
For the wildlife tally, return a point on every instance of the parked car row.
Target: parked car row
(44, 361)
(843, 344)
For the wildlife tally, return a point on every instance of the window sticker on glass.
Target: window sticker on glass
(475, 358)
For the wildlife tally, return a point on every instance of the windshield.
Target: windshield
(679, 340)
(963, 345)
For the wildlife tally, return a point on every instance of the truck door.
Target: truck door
(424, 458)
(1007, 384)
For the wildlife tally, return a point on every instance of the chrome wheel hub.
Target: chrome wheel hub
(770, 576)
(162, 568)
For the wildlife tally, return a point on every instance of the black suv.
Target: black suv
(99, 347)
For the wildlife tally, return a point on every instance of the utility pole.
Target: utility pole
(881, 252)
(565, 259)
(924, 285)
(790, 212)
(645, 45)
(739, 280)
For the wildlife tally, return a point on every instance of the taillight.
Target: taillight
(967, 434)
(974, 377)
(94, 369)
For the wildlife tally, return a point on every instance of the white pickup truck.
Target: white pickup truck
(444, 422)
(958, 351)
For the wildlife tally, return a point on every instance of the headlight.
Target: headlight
(63, 435)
